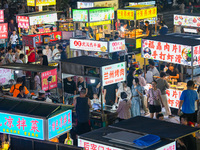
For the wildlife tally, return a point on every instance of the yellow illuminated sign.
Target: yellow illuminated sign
(98, 23)
(125, 14)
(146, 13)
(113, 3)
(41, 2)
(138, 43)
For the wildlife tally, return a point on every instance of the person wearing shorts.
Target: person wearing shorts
(154, 99)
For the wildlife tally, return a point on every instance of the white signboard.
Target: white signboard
(88, 145)
(168, 52)
(170, 146)
(48, 18)
(113, 73)
(115, 46)
(5, 76)
(142, 3)
(184, 20)
(88, 45)
(85, 4)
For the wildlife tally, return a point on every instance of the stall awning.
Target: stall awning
(163, 129)
(90, 61)
(27, 67)
(32, 108)
(37, 13)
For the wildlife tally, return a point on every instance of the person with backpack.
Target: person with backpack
(14, 90)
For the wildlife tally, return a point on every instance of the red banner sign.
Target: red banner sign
(54, 36)
(1, 15)
(3, 30)
(44, 77)
(28, 41)
(23, 22)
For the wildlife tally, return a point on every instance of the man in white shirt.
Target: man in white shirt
(13, 39)
(153, 69)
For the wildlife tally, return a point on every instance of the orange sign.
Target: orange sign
(125, 14)
(146, 13)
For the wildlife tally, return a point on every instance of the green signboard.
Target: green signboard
(80, 15)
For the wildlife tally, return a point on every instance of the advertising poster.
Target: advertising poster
(42, 19)
(113, 73)
(44, 78)
(85, 5)
(88, 45)
(22, 126)
(3, 30)
(23, 22)
(101, 14)
(59, 124)
(168, 52)
(184, 20)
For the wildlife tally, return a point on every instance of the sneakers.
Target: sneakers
(171, 116)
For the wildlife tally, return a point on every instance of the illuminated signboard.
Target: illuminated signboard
(115, 46)
(80, 15)
(88, 45)
(48, 18)
(196, 54)
(41, 2)
(185, 20)
(113, 73)
(112, 3)
(22, 126)
(101, 14)
(59, 124)
(1, 15)
(169, 52)
(88, 144)
(125, 14)
(146, 13)
(170, 146)
(5, 76)
(92, 24)
(142, 3)
(3, 30)
(23, 22)
(44, 78)
(85, 4)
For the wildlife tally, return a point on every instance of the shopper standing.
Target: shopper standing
(43, 58)
(182, 8)
(187, 101)
(153, 68)
(154, 99)
(190, 9)
(130, 77)
(162, 85)
(82, 105)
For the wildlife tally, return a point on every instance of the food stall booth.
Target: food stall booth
(106, 72)
(136, 15)
(97, 20)
(44, 20)
(187, 23)
(122, 135)
(174, 48)
(48, 75)
(34, 120)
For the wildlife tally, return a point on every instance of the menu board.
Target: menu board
(80, 15)
(101, 14)
(85, 4)
(183, 20)
(48, 18)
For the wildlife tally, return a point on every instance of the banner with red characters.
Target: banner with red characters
(185, 20)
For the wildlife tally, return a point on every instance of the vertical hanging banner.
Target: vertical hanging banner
(1, 15)
(28, 41)
(3, 30)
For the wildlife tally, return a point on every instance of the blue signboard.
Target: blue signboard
(21, 126)
(59, 124)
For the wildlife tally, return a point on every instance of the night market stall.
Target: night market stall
(97, 20)
(133, 31)
(125, 134)
(179, 49)
(106, 72)
(34, 119)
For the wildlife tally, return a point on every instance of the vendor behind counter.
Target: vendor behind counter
(172, 72)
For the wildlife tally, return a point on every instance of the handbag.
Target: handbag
(156, 101)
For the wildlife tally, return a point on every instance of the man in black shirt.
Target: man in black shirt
(41, 96)
(81, 84)
(148, 29)
(110, 94)
(43, 58)
(172, 72)
(70, 89)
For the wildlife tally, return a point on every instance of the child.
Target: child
(160, 116)
(22, 92)
(95, 99)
